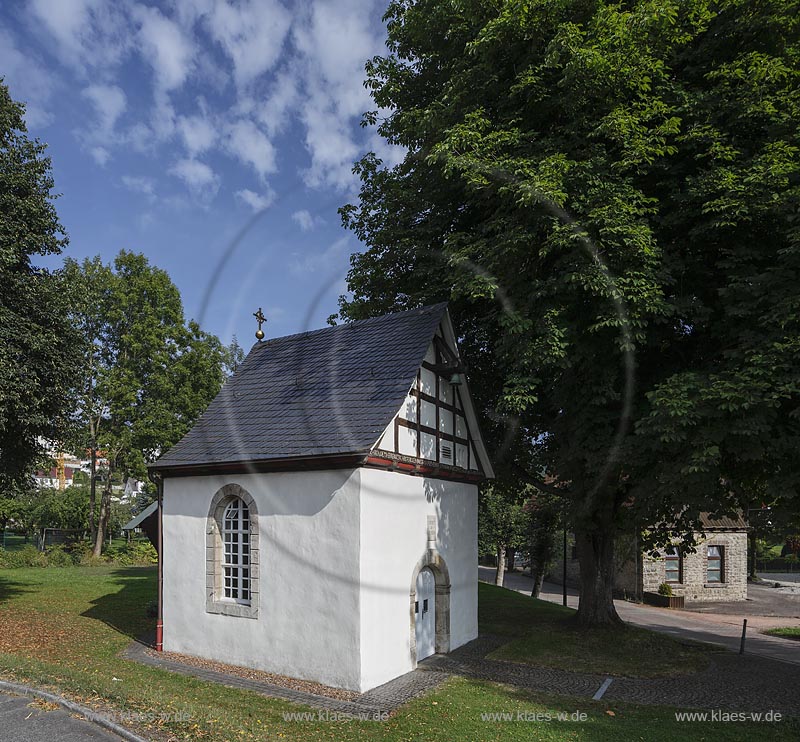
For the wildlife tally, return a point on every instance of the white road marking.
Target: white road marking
(602, 689)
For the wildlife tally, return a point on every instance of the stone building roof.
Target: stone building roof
(725, 523)
(316, 394)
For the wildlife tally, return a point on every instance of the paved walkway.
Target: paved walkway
(731, 682)
(21, 722)
(723, 629)
(370, 705)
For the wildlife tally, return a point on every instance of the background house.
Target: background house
(716, 570)
(320, 520)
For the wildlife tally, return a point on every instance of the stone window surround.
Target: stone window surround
(214, 603)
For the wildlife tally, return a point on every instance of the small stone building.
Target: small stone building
(715, 571)
(320, 519)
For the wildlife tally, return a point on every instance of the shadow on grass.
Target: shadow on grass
(125, 611)
(10, 588)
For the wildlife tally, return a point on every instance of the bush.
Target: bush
(665, 589)
(58, 556)
(136, 553)
(27, 556)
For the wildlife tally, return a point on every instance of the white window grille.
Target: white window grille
(236, 552)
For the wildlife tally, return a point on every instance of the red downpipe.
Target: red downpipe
(160, 620)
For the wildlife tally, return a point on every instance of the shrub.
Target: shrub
(136, 553)
(58, 556)
(665, 589)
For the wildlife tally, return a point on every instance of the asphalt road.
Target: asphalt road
(21, 722)
(719, 628)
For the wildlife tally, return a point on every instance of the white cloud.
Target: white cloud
(165, 47)
(29, 82)
(257, 202)
(197, 132)
(100, 155)
(334, 259)
(251, 146)
(334, 45)
(140, 184)
(282, 100)
(109, 103)
(89, 34)
(304, 220)
(251, 33)
(201, 180)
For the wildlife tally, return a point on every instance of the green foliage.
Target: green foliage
(139, 553)
(502, 519)
(147, 374)
(136, 553)
(37, 362)
(607, 194)
(665, 589)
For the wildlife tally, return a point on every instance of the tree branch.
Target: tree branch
(550, 489)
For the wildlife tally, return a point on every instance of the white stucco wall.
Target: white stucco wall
(394, 516)
(307, 624)
(337, 552)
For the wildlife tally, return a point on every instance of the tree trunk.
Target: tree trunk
(511, 556)
(501, 566)
(753, 550)
(102, 521)
(538, 579)
(93, 491)
(595, 551)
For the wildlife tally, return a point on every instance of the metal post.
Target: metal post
(564, 572)
(744, 632)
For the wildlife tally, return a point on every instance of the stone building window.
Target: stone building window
(232, 553)
(715, 570)
(672, 565)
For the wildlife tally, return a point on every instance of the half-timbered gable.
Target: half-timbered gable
(435, 429)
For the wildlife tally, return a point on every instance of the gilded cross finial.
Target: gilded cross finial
(261, 319)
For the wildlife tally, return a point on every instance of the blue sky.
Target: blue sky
(174, 126)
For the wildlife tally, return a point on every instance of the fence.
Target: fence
(778, 565)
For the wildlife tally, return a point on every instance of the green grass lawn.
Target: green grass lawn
(785, 632)
(63, 629)
(545, 634)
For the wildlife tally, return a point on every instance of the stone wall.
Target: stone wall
(634, 576)
(694, 585)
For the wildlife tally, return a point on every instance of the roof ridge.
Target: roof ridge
(332, 328)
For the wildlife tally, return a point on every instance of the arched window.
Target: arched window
(232, 561)
(236, 552)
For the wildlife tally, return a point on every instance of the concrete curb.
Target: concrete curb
(91, 716)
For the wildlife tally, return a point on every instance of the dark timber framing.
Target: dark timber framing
(455, 408)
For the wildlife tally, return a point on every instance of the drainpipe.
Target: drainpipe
(160, 620)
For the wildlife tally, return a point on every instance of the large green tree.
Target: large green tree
(608, 195)
(147, 373)
(36, 339)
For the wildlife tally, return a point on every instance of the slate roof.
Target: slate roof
(327, 392)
